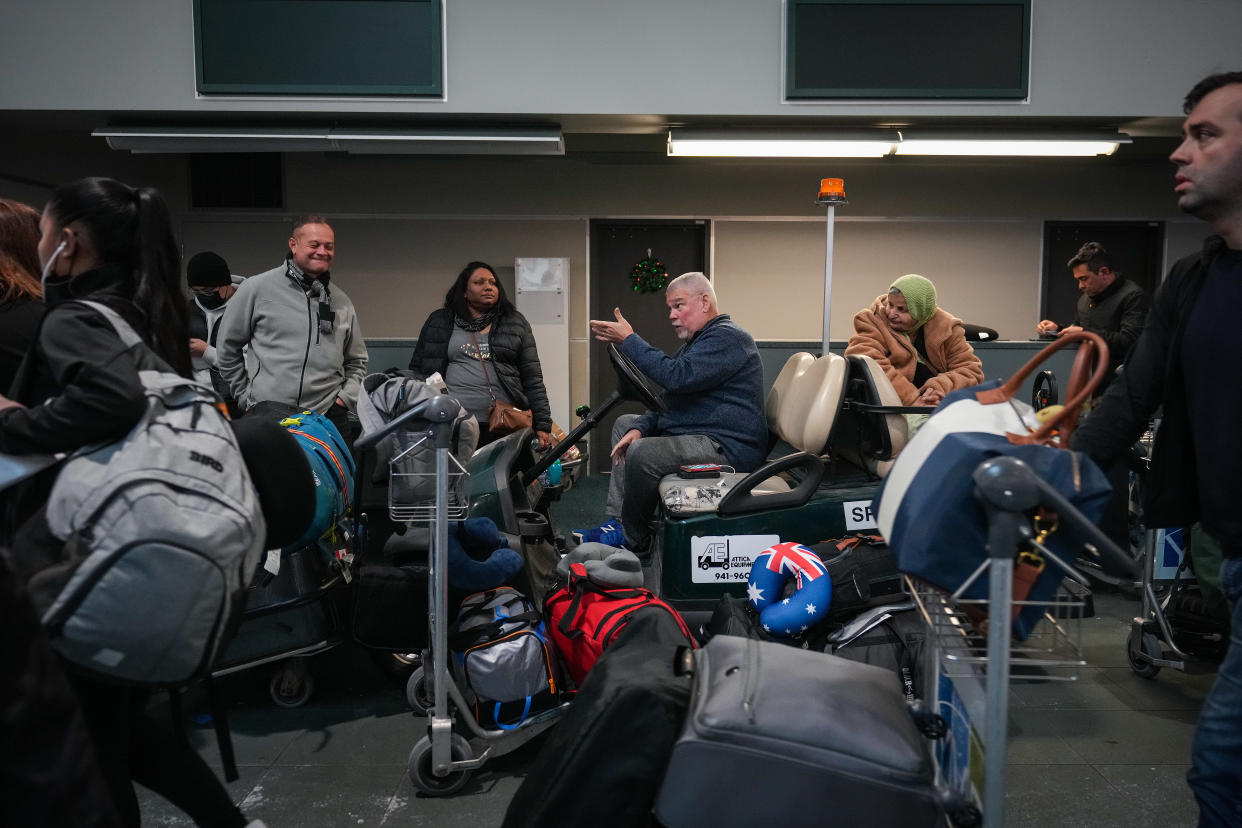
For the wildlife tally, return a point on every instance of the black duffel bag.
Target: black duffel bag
(390, 607)
(601, 766)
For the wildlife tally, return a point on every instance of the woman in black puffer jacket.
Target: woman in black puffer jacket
(484, 349)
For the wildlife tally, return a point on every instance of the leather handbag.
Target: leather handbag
(926, 507)
(502, 418)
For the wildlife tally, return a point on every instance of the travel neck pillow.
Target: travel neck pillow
(806, 606)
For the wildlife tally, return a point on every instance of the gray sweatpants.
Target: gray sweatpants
(633, 491)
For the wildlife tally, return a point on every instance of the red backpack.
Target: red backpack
(584, 617)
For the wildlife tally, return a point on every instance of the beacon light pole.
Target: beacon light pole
(831, 193)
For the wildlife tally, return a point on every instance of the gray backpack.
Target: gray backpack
(168, 529)
(409, 455)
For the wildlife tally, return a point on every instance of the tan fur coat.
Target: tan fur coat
(948, 352)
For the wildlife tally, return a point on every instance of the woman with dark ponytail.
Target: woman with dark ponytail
(110, 243)
(113, 244)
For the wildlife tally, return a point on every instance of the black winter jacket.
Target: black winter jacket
(515, 361)
(1152, 377)
(79, 382)
(1116, 314)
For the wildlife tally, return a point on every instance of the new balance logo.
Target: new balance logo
(207, 461)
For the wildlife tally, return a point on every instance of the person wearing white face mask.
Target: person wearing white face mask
(101, 240)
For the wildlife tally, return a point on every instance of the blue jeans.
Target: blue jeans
(1216, 758)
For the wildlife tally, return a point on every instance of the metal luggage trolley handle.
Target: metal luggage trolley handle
(424, 510)
(443, 760)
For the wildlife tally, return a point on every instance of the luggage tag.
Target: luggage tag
(343, 556)
(345, 560)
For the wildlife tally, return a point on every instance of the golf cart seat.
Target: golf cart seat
(801, 409)
(869, 439)
(778, 395)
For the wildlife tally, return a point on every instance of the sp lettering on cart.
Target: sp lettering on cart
(858, 515)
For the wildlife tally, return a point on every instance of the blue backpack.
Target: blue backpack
(332, 465)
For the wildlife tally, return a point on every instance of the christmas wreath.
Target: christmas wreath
(649, 276)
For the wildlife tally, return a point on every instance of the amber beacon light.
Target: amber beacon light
(831, 191)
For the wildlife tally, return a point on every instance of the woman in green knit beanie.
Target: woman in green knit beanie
(921, 347)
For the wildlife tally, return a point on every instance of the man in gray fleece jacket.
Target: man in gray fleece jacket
(306, 347)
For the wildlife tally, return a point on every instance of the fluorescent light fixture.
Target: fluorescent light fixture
(876, 143)
(516, 141)
(536, 141)
(1050, 144)
(789, 143)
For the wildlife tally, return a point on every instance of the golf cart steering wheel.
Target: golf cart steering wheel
(631, 382)
(1044, 391)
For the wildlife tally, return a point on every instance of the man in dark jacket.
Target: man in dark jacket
(713, 395)
(1110, 305)
(1115, 308)
(1186, 360)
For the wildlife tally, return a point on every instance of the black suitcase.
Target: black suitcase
(783, 736)
(601, 765)
(390, 607)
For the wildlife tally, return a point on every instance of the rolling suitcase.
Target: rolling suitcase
(778, 735)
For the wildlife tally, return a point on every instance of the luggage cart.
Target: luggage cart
(1154, 641)
(442, 761)
(1009, 489)
(294, 615)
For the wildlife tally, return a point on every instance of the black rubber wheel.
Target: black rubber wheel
(1142, 643)
(632, 383)
(419, 691)
(428, 782)
(289, 690)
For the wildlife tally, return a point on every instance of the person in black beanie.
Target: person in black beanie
(212, 286)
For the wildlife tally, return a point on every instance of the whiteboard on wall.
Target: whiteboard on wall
(542, 289)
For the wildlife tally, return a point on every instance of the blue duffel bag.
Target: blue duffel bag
(332, 465)
(926, 507)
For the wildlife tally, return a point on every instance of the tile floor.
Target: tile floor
(1110, 749)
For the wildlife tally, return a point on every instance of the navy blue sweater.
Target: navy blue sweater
(713, 385)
